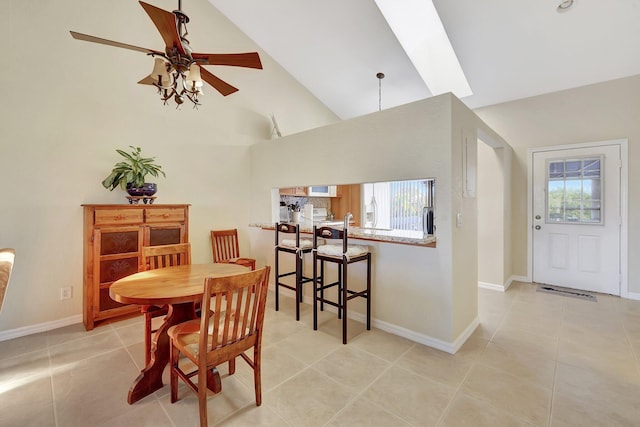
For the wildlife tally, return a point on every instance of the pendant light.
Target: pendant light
(380, 76)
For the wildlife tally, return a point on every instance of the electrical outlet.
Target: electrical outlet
(65, 293)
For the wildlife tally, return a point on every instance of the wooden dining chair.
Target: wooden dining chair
(158, 257)
(231, 324)
(7, 257)
(225, 247)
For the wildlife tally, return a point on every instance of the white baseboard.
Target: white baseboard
(631, 295)
(509, 282)
(491, 286)
(449, 347)
(524, 279)
(464, 336)
(40, 327)
(496, 287)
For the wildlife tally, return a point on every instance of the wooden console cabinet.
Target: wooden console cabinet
(113, 239)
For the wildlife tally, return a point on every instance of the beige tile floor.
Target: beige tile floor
(536, 360)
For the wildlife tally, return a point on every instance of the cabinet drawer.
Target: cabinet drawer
(118, 216)
(165, 215)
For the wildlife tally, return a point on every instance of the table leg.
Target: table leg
(150, 378)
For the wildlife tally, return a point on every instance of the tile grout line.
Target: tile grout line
(459, 387)
(131, 356)
(366, 387)
(53, 391)
(475, 362)
(634, 351)
(126, 349)
(555, 366)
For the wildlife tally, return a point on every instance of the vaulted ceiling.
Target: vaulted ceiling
(508, 49)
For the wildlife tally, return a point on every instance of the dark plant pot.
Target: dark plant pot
(148, 189)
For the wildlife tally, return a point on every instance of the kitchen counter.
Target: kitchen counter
(405, 237)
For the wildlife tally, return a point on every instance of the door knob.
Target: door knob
(538, 227)
(538, 217)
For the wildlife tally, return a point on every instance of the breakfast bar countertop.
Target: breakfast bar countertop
(405, 237)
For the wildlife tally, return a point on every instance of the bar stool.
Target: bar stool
(342, 255)
(297, 247)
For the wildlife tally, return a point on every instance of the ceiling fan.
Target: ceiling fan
(178, 71)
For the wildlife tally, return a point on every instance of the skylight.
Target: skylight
(419, 30)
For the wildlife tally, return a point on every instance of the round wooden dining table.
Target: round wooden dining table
(178, 287)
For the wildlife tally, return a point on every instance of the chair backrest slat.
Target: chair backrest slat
(166, 255)
(225, 244)
(232, 312)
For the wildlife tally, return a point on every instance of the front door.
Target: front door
(577, 218)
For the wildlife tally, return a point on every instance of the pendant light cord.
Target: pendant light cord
(380, 76)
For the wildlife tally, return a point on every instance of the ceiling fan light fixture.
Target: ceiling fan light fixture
(160, 75)
(178, 64)
(194, 80)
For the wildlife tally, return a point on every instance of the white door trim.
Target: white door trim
(624, 158)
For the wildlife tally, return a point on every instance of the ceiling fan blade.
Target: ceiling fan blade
(220, 85)
(166, 24)
(248, 60)
(93, 39)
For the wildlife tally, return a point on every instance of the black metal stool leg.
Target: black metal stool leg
(343, 306)
(277, 280)
(298, 286)
(315, 292)
(321, 285)
(340, 286)
(369, 291)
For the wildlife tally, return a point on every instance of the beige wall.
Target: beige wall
(491, 215)
(424, 293)
(410, 141)
(67, 105)
(599, 112)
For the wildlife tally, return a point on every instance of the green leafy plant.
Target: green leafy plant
(133, 169)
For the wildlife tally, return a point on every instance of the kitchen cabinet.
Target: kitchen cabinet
(113, 239)
(347, 200)
(293, 191)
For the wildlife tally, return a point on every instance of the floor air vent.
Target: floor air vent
(567, 292)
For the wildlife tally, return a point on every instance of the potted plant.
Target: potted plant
(130, 174)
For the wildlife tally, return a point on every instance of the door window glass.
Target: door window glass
(574, 191)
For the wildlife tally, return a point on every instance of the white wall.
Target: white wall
(599, 112)
(67, 105)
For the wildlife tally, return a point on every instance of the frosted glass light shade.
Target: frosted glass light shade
(159, 75)
(193, 78)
